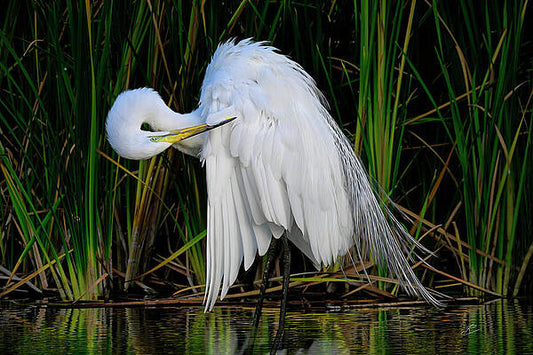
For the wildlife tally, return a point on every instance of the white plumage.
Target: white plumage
(282, 165)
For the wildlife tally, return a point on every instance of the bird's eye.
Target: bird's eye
(146, 127)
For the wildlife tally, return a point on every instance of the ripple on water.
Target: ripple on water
(498, 327)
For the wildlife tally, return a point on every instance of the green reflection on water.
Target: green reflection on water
(503, 327)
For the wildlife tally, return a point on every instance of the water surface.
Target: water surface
(501, 327)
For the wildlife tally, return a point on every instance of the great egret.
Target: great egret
(281, 167)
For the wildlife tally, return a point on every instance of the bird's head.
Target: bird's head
(135, 109)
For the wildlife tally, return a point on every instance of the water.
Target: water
(502, 327)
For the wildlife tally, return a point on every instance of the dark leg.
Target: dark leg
(285, 292)
(272, 253)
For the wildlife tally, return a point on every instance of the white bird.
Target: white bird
(281, 167)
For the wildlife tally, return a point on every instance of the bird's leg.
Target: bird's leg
(285, 293)
(272, 253)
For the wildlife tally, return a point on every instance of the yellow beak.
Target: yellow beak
(181, 134)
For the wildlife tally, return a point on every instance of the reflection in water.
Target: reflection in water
(498, 327)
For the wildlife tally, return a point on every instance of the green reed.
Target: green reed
(488, 129)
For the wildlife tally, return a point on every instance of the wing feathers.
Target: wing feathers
(244, 221)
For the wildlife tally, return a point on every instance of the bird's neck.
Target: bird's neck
(193, 145)
(160, 117)
(188, 119)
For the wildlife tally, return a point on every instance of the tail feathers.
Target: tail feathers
(376, 229)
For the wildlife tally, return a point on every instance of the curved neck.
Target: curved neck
(134, 108)
(148, 107)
